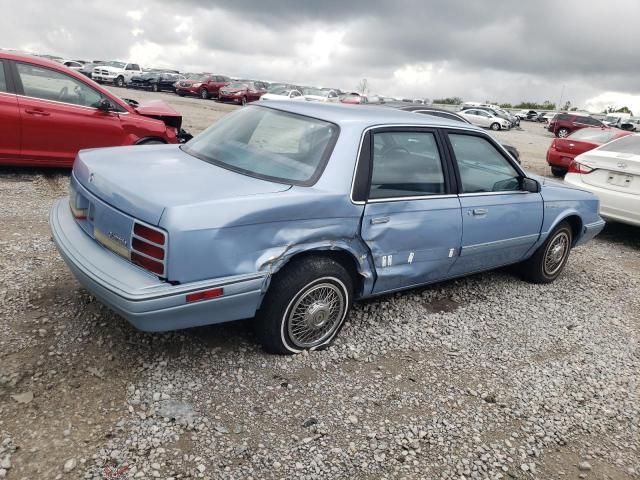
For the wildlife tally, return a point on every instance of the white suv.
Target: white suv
(118, 73)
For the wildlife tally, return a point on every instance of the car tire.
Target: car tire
(151, 141)
(155, 87)
(558, 171)
(549, 260)
(180, 94)
(244, 101)
(283, 322)
(120, 82)
(204, 94)
(495, 126)
(563, 132)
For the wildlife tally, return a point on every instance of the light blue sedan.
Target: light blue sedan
(288, 212)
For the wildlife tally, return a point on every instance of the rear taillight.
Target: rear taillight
(553, 144)
(577, 167)
(148, 248)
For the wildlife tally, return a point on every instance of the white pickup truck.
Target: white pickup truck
(118, 73)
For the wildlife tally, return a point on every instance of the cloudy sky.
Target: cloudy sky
(479, 50)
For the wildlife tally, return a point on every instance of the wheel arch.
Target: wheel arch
(575, 221)
(357, 263)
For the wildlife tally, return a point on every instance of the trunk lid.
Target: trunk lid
(142, 181)
(574, 147)
(616, 171)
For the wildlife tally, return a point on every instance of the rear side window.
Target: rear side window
(3, 78)
(482, 167)
(46, 84)
(406, 164)
(562, 116)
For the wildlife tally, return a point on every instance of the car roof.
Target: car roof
(364, 116)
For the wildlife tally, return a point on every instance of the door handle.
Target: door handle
(480, 211)
(36, 111)
(379, 220)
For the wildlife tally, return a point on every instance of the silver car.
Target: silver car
(485, 119)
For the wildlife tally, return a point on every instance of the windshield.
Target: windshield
(597, 135)
(278, 91)
(629, 144)
(115, 64)
(611, 119)
(314, 91)
(237, 85)
(266, 143)
(198, 76)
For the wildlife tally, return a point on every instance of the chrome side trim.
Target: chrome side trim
(515, 241)
(68, 104)
(483, 194)
(417, 197)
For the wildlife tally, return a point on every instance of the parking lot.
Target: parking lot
(481, 377)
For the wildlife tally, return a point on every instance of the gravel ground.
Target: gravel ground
(483, 377)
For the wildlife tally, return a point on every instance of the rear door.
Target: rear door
(59, 117)
(500, 221)
(411, 221)
(10, 124)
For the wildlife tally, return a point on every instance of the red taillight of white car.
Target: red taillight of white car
(577, 167)
(148, 248)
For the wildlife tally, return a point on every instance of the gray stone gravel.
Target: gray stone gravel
(483, 377)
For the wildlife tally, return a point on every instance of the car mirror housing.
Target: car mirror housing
(105, 105)
(530, 185)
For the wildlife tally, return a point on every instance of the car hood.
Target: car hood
(156, 108)
(143, 181)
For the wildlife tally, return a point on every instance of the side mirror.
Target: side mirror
(105, 105)
(530, 185)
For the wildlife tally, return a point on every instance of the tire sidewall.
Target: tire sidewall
(561, 228)
(120, 82)
(203, 94)
(495, 126)
(284, 335)
(560, 130)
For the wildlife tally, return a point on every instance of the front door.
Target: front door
(500, 221)
(59, 117)
(412, 222)
(10, 124)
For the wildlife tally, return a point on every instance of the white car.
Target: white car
(282, 94)
(73, 65)
(320, 95)
(485, 119)
(118, 73)
(612, 172)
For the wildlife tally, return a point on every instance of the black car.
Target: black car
(442, 113)
(154, 81)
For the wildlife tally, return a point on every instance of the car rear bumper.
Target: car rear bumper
(616, 206)
(559, 159)
(147, 302)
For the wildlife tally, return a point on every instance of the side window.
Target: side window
(133, 66)
(406, 164)
(3, 79)
(482, 167)
(40, 82)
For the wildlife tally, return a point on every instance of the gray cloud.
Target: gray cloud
(498, 49)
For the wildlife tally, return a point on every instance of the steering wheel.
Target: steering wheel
(64, 91)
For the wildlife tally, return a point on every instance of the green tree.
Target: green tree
(448, 101)
(505, 105)
(567, 106)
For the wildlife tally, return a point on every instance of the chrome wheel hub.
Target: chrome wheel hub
(556, 253)
(315, 315)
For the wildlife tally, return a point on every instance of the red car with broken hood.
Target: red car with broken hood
(49, 112)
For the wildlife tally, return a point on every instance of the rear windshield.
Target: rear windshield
(628, 144)
(269, 144)
(593, 135)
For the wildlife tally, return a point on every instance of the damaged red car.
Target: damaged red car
(49, 112)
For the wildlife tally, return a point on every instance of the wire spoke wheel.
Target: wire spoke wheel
(556, 253)
(315, 314)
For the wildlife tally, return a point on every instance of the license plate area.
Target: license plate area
(619, 179)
